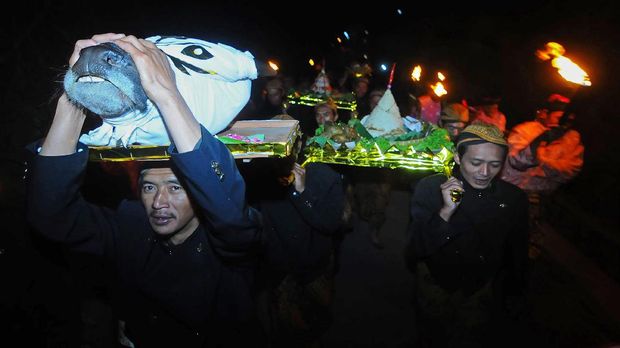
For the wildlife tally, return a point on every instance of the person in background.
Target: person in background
(430, 107)
(373, 98)
(325, 112)
(369, 194)
(454, 118)
(302, 210)
(361, 86)
(182, 255)
(487, 112)
(543, 155)
(413, 107)
(273, 100)
(413, 118)
(468, 247)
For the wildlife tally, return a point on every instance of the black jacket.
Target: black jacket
(194, 294)
(300, 227)
(486, 237)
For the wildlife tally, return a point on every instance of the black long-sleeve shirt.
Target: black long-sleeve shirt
(486, 236)
(300, 227)
(186, 295)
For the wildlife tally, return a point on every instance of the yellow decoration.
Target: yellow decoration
(280, 138)
(312, 100)
(423, 162)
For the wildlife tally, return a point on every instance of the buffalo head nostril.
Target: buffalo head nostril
(112, 58)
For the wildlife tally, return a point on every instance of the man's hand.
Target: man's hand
(450, 205)
(93, 41)
(156, 75)
(159, 83)
(300, 178)
(68, 120)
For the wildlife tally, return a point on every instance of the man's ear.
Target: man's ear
(457, 159)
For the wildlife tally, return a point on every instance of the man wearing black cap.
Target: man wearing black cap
(468, 246)
(182, 256)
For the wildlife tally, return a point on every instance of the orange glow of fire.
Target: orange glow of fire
(273, 65)
(566, 68)
(439, 89)
(416, 73)
(440, 76)
(570, 71)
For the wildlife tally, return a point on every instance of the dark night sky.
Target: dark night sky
(482, 47)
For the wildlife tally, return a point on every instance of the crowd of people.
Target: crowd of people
(211, 256)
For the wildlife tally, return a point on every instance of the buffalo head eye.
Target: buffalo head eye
(196, 51)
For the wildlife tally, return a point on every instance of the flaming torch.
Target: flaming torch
(416, 73)
(438, 88)
(566, 68)
(273, 65)
(570, 71)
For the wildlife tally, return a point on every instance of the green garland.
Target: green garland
(431, 138)
(429, 150)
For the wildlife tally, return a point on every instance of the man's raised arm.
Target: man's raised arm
(158, 81)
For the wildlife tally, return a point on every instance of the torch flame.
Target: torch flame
(440, 76)
(416, 73)
(273, 65)
(439, 89)
(570, 71)
(566, 68)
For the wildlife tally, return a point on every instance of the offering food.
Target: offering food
(340, 132)
(385, 119)
(381, 139)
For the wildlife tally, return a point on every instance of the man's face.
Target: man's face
(361, 88)
(481, 163)
(553, 118)
(275, 95)
(453, 128)
(167, 205)
(324, 114)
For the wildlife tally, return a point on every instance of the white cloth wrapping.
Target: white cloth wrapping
(214, 98)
